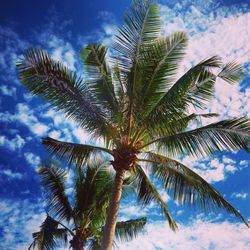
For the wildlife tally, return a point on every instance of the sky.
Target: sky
(63, 28)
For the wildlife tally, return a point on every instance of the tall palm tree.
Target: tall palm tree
(140, 109)
(83, 220)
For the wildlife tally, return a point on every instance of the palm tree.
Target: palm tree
(83, 222)
(140, 109)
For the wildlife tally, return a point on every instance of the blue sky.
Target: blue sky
(63, 27)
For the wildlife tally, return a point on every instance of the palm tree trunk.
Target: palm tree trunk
(78, 248)
(109, 229)
(77, 244)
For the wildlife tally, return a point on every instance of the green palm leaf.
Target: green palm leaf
(231, 73)
(188, 187)
(92, 192)
(194, 87)
(142, 25)
(74, 153)
(147, 193)
(158, 65)
(53, 81)
(167, 126)
(53, 179)
(231, 134)
(128, 230)
(47, 237)
(100, 81)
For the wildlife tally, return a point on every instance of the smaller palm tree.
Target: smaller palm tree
(83, 222)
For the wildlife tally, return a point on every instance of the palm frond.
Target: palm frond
(231, 73)
(194, 87)
(142, 25)
(158, 64)
(74, 153)
(187, 187)
(92, 192)
(63, 89)
(53, 179)
(147, 193)
(171, 125)
(230, 135)
(49, 235)
(128, 230)
(100, 81)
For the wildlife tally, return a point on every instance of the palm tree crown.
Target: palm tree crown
(141, 110)
(83, 222)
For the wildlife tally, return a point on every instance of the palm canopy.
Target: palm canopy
(136, 103)
(83, 220)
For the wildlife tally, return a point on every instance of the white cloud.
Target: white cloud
(32, 159)
(18, 220)
(106, 16)
(12, 144)
(27, 97)
(62, 51)
(129, 211)
(80, 134)
(228, 160)
(165, 197)
(65, 128)
(11, 44)
(228, 37)
(25, 115)
(55, 134)
(213, 169)
(195, 236)
(240, 195)
(179, 212)
(10, 174)
(9, 91)
(39, 129)
(230, 168)
(244, 163)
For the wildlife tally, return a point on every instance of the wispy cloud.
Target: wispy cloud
(25, 115)
(9, 91)
(32, 159)
(12, 144)
(11, 44)
(10, 174)
(195, 236)
(241, 195)
(213, 169)
(18, 220)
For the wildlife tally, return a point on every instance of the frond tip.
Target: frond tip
(147, 192)
(187, 187)
(128, 230)
(53, 179)
(230, 135)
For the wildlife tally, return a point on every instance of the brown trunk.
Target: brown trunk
(78, 248)
(109, 229)
(77, 244)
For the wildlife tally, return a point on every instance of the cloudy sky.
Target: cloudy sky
(220, 27)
